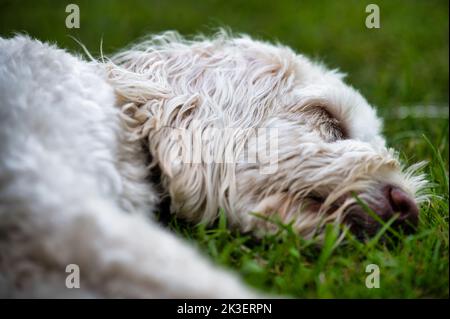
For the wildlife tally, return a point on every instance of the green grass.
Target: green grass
(415, 266)
(403, 63)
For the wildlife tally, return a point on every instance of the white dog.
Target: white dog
(81, 142)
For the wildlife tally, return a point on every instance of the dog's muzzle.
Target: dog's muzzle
(393, 203)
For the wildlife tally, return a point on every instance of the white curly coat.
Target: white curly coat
(75, 139)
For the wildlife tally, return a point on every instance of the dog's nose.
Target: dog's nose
(404, 206)
(393, 202)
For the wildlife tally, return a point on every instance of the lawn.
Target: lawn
(402, 68)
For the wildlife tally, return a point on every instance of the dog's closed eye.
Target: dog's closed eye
(322, 121)
(332, 128)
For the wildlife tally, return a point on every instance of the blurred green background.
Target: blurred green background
(403, 62)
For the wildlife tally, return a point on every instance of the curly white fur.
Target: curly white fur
(75, 137)
(225, 82)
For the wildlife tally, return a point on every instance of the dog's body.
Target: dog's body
(75, 141)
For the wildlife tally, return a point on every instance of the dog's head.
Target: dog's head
(246, 126)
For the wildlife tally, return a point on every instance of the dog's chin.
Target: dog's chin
(361, 224)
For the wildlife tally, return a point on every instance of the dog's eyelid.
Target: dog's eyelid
(326, 122)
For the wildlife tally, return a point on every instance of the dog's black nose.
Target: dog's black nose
(404, 205)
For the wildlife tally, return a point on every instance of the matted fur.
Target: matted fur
(75, 137)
